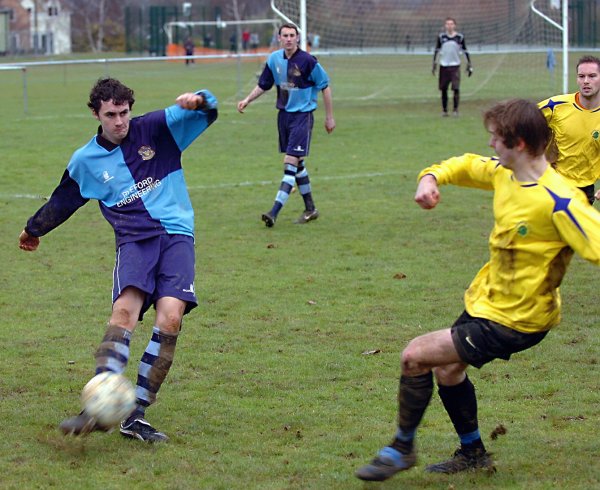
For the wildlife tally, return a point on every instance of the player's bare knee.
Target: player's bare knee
(411, 365)
(123, 317)
(450, 375)
(170, 323)
(291, 160)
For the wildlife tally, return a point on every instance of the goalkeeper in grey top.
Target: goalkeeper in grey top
(449, 45)
(132, 167)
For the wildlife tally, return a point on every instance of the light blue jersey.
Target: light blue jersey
(298, 79)
(139, 184)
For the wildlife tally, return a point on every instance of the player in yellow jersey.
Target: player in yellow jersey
(575, 122)
(541, 219)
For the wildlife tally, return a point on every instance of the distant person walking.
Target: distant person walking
(188, 45)
(449, 45)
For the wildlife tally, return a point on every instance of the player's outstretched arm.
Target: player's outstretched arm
(255, 94)
(28, 242)
(428, 193)
(190, 101)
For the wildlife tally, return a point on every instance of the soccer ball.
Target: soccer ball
(109, 398)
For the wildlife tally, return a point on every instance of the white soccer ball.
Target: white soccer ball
(109, 398)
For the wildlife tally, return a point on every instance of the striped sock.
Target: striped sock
(154, 367)
(287, 184)
(303, 182)
(113, 352)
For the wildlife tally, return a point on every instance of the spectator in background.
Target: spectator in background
(245, 40)
(315, 41)
(188, 45)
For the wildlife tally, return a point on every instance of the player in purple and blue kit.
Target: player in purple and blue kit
(132, 167)
(299, 79)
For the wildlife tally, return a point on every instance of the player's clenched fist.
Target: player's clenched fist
(428, 194)
(28, 242)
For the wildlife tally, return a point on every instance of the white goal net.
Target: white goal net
(507, 40)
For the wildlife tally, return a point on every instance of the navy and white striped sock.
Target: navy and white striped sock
(303, 182)
(287, 184)
(154, 367)
(113, 352)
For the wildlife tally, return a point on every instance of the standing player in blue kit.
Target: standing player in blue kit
(299, 78)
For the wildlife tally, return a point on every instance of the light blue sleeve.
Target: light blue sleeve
(319, 77)
(186, 125)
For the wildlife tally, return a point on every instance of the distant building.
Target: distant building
(36, 26)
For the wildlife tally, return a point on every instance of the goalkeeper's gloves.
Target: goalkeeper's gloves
(433, 68)
(469, 70)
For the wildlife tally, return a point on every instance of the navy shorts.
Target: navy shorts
(295, 129)
(160, 266)
(479, 341)
(449, 75)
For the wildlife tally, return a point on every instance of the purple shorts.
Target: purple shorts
(160, 266)
(295, 129)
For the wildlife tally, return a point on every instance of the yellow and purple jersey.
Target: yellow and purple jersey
(577, 136)
(537, 226)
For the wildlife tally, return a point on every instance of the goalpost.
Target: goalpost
(564, 28)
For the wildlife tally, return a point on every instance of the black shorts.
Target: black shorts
(589, 191)
(479, 341)
(449, 75)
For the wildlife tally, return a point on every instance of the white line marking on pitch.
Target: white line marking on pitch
(233, 185)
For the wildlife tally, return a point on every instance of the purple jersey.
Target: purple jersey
(139, 184)
(298, 79)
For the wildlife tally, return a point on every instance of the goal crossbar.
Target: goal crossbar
(221, 24)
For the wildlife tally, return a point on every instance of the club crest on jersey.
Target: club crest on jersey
(106, 176)
(146, 152)
(522, 229)
(596, 134)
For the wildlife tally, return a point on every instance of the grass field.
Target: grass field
(271, 387)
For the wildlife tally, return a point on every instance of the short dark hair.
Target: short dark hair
(519, 119)
(588, 59)
(288, 25)
(107, 89)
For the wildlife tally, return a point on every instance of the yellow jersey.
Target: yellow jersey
(577, 136)
(537, 226)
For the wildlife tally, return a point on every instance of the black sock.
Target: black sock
(461, 404)
(413, 398)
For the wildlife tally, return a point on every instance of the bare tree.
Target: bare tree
(93, 29)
